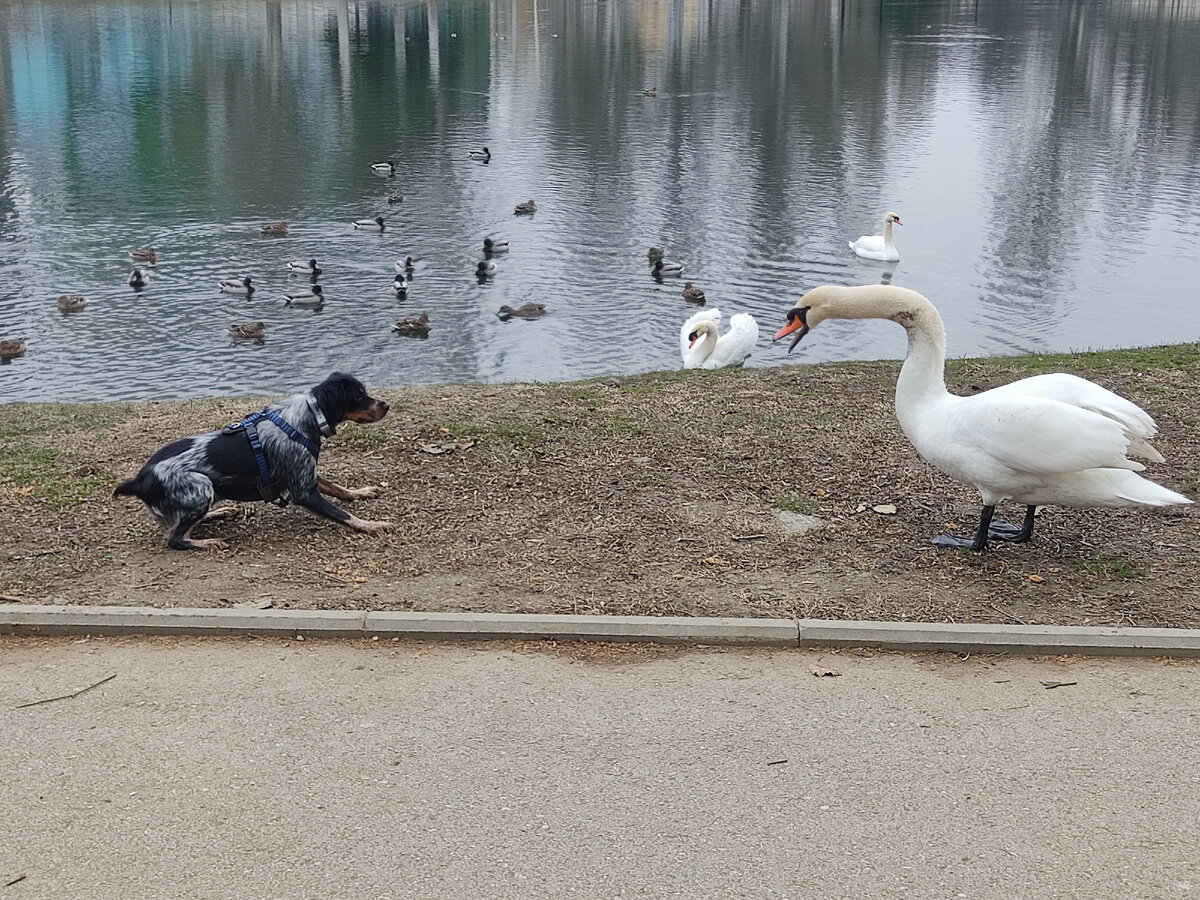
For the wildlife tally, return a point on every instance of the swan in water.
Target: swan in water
(1052, 439)
(879, 246)
(702, 347)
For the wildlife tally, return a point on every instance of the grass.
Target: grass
(1110, 567)
(797, 503)
(48, 476)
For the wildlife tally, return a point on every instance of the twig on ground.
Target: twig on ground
(67, 696)
(746, 537)
(20, 877)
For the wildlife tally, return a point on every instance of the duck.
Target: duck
(396, 197)
(485, 269)
(301, 267)
(384, 168)
(400, 285)
(71, 302)
(495, 245)
(703, 347)
(879, 246)
(650, 92)
(482, 153)
(11, 348)
(254, 331)
(654, 254)
(375, 224)
(274, 228)
(524, 311)
(144, 255)
(692, 294)
(528, 208)
(236, 286)
(314, 296)
(1049, 440)
(405, 266)
(418, 324)
(664, 269)
(138, 278)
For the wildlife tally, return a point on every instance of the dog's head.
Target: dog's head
(343, 397)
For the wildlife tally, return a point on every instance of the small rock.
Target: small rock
(798, 523)
(885, 509)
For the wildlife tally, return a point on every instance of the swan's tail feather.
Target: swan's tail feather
(1139, 447)
(1135, 489)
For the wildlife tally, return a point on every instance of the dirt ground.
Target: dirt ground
(661, 494)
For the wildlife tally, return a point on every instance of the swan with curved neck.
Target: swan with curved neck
(1047, 440)
(702, 346)
(879, 246)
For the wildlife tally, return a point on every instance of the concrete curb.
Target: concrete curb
(1032, 640)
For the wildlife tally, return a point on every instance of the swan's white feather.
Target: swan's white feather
(711, 351)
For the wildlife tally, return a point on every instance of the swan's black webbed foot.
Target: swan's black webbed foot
(1000, 531)
(1006, 531)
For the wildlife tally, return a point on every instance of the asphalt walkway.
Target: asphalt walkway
(276, 768)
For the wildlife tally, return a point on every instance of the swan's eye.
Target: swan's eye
(793, 314)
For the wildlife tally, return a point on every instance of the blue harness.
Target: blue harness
(266, 489)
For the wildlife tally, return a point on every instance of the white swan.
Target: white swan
(1047, 440)
(702, 348)
(879, 246)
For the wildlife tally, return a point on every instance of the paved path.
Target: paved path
(268, 768)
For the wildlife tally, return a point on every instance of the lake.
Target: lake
(1042, 156)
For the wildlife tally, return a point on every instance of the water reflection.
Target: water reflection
(1042, 157)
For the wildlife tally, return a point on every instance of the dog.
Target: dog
(270, 455)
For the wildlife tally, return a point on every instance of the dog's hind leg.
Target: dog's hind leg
(193, 495)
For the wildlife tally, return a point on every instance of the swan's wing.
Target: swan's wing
(685, 351)
(1037, 435)
(736, 344)
(1071, 389)
(869, 243)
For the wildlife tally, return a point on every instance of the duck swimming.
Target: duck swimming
(236, 286)
(71, 302)
(654, 254)
(663, 269)
(405, 266)
(138, 278)
(483, 154)
(274, 228)
(145, 255)
(254, 331)
(384, 168)
(375, 224)
(418, 324)
(495, 246)
(396, 197)
(528, 208)
(524, 311)
(400, 285)
(485, 268)
(692, 294)
(1054, 440)
(315, 296)
(11, 348)
(300, 267)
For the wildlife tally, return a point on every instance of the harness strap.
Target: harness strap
(266, 489)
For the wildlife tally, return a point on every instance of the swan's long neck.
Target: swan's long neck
(922, 378)
(889, 245)
(706, 342)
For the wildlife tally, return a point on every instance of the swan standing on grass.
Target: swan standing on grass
(1047, 440)
(702, 347)
(879, 246)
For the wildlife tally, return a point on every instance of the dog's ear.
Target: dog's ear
(338, 394)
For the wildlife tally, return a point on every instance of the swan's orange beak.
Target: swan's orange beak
(795, 323)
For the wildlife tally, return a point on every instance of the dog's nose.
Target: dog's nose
(383, 404)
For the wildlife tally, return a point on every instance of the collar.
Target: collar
(322, 423)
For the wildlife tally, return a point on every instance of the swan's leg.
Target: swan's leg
(978, 543)
(1006, 531)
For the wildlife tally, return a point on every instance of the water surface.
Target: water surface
(1043, 157)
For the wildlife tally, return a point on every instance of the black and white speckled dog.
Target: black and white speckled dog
(270, 455)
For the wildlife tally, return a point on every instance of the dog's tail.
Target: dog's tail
(127, 489)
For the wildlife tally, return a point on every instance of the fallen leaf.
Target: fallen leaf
(716, 561)
(432, 448)
(823, 672)
(1036, 579)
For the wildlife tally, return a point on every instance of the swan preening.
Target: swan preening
(879, 246)
(1047, 440)
(703, 347)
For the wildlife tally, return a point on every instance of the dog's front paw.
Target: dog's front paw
(210, 544)
(368, 527)
(365, 493)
